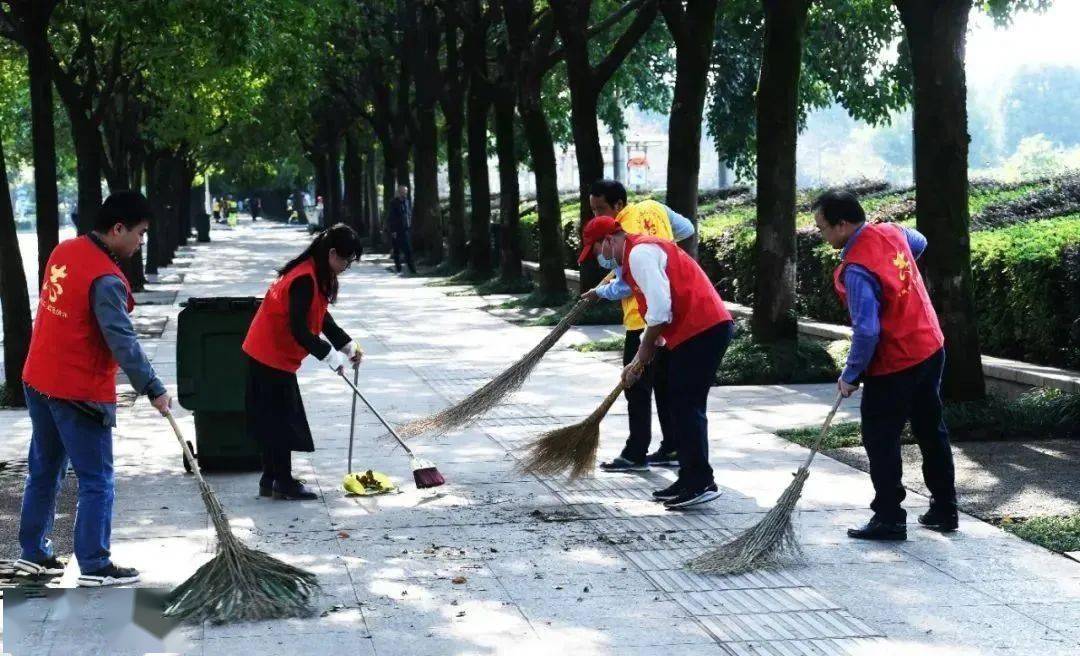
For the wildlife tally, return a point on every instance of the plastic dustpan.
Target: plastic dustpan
(368, 483)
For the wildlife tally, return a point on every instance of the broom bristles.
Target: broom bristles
(570, 448)
(426, 474)
(769, 543)
(495, 390)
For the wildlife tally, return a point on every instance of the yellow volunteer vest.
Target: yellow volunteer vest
(645, 218)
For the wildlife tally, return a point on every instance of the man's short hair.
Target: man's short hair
(837, 205)
(612, 190)
(127, 207)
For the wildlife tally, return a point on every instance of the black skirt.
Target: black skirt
(275, 411)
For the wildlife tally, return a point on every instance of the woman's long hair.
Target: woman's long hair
(344, 241)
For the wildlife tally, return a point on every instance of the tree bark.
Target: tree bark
(774, 318)
(452, 102)
(43, 137)
(694, 30)
(427, 217)
(510, 238)
(88, 167)
(936, 36)
(154, 234)
(480, 263)
(374, 224)
(332, 200)
(355, 198)
(14, 298)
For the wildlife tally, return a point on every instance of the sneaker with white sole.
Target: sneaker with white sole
(48, 567)
(663, 458)
(692, 498)
(108, 576)
(620, 464)
(668, 493)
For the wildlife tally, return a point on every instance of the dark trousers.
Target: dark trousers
(653, 382)
(691, 371)
(889, 402)
(277, 464)
(401, 248)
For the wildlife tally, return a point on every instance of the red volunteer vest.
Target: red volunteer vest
(68, 356)
(695, 304)
(909, 326)
(269, 339)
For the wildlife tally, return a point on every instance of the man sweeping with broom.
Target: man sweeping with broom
(897, 352)
(82, 335)
(608, 198)
(680, 305)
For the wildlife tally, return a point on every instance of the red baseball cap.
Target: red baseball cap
(595, 230)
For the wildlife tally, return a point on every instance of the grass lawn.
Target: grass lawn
(1055, 533)
(601, 345)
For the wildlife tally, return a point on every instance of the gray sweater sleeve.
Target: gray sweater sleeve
(109, 298)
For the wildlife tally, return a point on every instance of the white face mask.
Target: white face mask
(603, 260)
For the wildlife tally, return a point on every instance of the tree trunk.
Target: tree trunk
(389, 183)
(427, 222)
(332, 200)
(355, 184)
(774, 317)
(480, 263)
(183, 201)
(14, 298)
(936, 36)
(510, 237)
(455, 165)
(696, 30)
(373, 222)
(154, 235)
(88, 165)
(590, 161)
(43, 137)
(549, 216)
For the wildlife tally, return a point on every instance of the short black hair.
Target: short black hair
(612, 190)
(837, 205)
(127, 207)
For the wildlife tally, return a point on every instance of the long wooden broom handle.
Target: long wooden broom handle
(385, 423)
(183, 445)
(352, 416)
(824, 430)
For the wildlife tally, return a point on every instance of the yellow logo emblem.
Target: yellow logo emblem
(53, 287)
(903, 267)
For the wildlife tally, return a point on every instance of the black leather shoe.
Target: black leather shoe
(295, 492)
(945, 521)
(876, 529)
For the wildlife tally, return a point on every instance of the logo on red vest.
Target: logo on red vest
(903, 268)
(53, 287)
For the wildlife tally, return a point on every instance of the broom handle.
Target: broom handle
(352, 416)
(824, 430)
(385, 423)
(183, 445)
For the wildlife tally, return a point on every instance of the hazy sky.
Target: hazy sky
(994, 54)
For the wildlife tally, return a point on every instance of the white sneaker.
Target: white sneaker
(108, 576)
(48, 567)
(689, 499)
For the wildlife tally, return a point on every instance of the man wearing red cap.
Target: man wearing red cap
(685, 316)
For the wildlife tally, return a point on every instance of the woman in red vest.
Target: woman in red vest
(897, 354)
(284, 331)
(685, 316)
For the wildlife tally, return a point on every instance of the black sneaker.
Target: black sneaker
(663, 459)
(945, 521)
(668, 493)
(875, 529)
(621, 464)
(109, 575)
(690, 498)
(48, 567)
(297, 491)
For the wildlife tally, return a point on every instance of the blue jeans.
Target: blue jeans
(62, 433)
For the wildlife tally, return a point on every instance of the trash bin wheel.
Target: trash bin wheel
(187, 465)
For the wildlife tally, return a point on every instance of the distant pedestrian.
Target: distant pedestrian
(255, 204)
(898, 354)
(399, 223)
(215, 209)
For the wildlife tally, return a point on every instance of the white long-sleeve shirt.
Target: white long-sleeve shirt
(648, 265)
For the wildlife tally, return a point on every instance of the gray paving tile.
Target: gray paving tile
(802, 625)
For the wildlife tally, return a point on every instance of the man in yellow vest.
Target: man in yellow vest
(608, 198)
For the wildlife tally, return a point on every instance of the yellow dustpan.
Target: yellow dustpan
(369, 483)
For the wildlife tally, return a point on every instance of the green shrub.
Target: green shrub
(750, 363)
(1054, 533)
(602, 345)
(844, 434)
(603, 314)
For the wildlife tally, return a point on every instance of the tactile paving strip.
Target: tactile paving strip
(805, 625)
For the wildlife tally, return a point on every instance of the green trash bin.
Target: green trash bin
(211, 372)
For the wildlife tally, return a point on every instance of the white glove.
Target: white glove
(336, 360)
(353, 351)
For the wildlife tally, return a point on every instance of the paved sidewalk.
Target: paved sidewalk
(496, 562)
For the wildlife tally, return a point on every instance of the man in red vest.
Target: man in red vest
(897, 353)
(685, 316)
(82, 336)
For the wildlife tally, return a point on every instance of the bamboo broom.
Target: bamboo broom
(238, 583)
(481, 401)
(771, 541)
